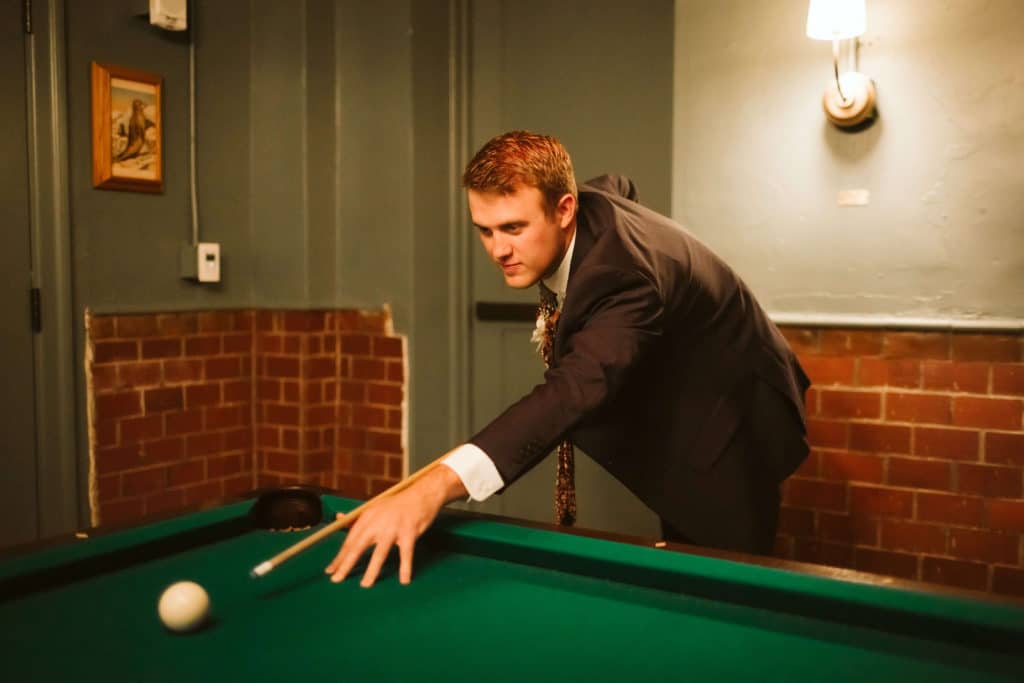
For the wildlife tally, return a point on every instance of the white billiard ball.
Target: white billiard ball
(183, 606)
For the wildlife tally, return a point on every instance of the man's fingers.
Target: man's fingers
(405, 551)
(376, 562)
(351, 550)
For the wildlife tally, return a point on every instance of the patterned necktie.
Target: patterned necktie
(565, 486)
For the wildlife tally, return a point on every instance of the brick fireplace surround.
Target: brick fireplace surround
(916, 469)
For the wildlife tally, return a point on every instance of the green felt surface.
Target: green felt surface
(470, 614)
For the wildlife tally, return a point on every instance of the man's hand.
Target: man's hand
(399, 519)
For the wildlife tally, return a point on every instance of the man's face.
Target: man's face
(525, 242)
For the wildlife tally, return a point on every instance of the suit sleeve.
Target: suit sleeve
(614, 184)
(612, 326)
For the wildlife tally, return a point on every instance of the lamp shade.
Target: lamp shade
(835, 19)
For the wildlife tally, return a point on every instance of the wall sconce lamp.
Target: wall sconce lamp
(850, 100)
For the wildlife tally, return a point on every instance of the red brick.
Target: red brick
(994, 413)
(986, 546)
(164, 450)
(223, 466)
(395, 468)
(852, 467)
(165, 501)
(353, 391)
(952, 444)
(893, 373)
(882, 502)
(228, 367)
(802, 341)
(851, 342)
(141, 482)
(161, 348)
(185, 473)
(296, 321)
(1007, 515)
(973, 575)
(879, 438)
(314, 393)
(916, 345)
(379, 486)
(314, 345)
(987, 347)
(183, 370)
(244, 320)
(370, 464)
(136, 429)
(291, 392)
(177, 324)
(922, 474)
(290, 439)
(199, 395)
(1004, 449)
(885, 563)
(138, 374)
(318, 368)
(283, 415)
(238, 439)
(184, 422)
(394, 419)
(282, 367)
(318, 461)
(223, 417)
(384, 441)
(292, 344)
(384, 393)
(1008, 379)
(202, 346)
(387, 347)
(283, 462)
(113, 351)
(988, 481)
(956, 376)
(356, 344)
(810, 467)
(119, 511)
(949, 509)
(237, 343)
(930, 408)
(203, 493)
(850, 404)
(101, 327)
(137, 326)
(108, 487)
(106, 432)
(123, 404)
(820, 495)
(369, 369)
(268, 390)
(351, 438)
(268, 437)
(216, 321)
(269, 343)
(819, 552)
(317, 416)
(913, 537)
(1008, 581)
(396, 371)
(238, 485)
(238, 391)
(116, 459)
(369, 416)
(351, 485)
(829, 370)
(204, 444)
(160, 400)
(104, 377)
(850, 529)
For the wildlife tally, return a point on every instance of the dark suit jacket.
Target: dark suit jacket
(656, 348)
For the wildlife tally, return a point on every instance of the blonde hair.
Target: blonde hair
(520, 157)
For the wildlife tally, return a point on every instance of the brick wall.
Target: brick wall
(917, 457)
(190, 407)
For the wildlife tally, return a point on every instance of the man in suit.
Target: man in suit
(662, 366)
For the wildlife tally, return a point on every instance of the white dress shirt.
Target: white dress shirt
(474, 467)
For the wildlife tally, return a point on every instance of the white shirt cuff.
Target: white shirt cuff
(476, 470)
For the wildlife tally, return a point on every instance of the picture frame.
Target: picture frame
(127, 129)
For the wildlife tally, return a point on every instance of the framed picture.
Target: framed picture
(127, 130)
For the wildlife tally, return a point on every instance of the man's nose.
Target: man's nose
(501, 247)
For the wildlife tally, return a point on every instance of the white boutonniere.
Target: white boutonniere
(538, 332)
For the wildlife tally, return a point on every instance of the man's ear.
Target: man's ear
(566, 210)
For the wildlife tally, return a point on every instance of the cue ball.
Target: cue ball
(183, 606)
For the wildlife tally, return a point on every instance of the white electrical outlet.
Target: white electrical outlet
(208, 262)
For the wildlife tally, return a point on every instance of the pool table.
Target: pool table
(491, 600)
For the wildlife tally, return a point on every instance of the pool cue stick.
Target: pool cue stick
(340, 523)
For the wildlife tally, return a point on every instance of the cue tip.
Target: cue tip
(262, 569)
